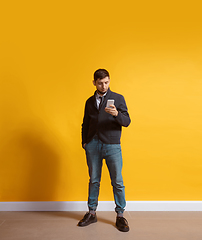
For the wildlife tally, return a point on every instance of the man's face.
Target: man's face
(102, 85)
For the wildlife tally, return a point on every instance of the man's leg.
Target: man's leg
(94, 162)
(113, 157)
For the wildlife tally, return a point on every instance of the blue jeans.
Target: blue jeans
(96, 151)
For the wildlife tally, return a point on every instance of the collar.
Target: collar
(97, 95)
(105, 99)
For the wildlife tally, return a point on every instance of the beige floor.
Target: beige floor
(63, 225)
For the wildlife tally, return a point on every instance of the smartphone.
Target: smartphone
(110, 102)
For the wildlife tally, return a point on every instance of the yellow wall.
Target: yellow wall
(48, 53)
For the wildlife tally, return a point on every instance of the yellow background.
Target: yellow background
(48, 53)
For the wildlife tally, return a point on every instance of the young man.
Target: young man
(101, 133)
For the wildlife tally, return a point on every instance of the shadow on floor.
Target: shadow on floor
(75, 215)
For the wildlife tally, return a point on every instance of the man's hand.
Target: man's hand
(112, 110)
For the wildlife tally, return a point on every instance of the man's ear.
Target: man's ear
(94, 83)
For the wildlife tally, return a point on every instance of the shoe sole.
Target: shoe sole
(87, 223)
(122, 229)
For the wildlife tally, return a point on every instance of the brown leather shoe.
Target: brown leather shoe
(122, 224)
(87, 219)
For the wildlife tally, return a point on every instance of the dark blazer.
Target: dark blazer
(107, 127)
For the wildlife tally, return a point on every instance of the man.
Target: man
(101, 133)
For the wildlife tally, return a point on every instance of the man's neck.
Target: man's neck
(100, 93)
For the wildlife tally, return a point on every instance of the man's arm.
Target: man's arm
(85, 126)
(121, 113)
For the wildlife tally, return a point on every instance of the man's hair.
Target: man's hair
(100, 74)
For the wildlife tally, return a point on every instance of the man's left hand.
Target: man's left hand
(112, 110)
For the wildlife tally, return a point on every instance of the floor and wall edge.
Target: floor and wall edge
(102, 206)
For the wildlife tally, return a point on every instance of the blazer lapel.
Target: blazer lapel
(94, 101)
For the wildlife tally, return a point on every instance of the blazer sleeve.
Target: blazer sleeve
(123, 117)
(85, 125)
